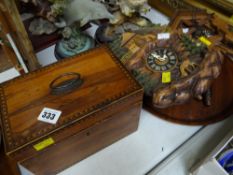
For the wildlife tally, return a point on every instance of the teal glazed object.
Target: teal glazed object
(78, 42)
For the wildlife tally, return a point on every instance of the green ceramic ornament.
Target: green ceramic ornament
(73, 44)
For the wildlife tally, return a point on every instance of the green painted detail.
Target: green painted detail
(194, 47)
(146, 81)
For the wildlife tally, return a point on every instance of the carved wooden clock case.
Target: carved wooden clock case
(187, 76)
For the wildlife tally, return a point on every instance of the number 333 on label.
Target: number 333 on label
(49, 115)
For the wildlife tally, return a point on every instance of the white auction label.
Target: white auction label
(185, 30)
(163, 36)
(49, 115)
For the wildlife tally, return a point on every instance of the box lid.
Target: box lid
(105, 81)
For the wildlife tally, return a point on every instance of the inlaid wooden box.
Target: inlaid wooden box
(104, 108)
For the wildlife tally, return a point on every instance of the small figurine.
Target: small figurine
(73, 43)
(70, 15)
(40, 26)
(130, 7)
(126, 18)
(85, 11)
(77, 14)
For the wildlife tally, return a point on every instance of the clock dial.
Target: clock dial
(161, 59)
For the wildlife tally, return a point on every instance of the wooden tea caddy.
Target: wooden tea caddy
(105, 108)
